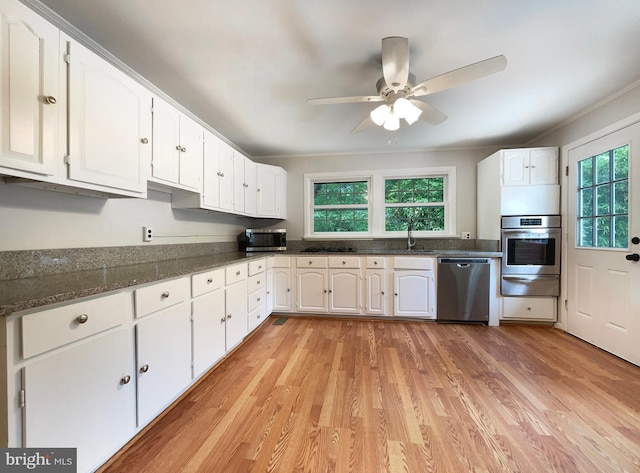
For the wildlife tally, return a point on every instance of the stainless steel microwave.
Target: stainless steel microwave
(264, 239)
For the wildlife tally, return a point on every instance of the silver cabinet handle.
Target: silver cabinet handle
(144, 368)
(82, 318)
(209, 281)
(164, 295)
(144, 141)
(50, 100)
(221, 174)
(223, 320)
(237, 273)
(229, 316)
(178, 148)
(125, 379)
(183, 149)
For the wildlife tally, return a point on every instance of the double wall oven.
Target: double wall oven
(531, 255)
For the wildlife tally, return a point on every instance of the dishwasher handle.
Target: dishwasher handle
(463, 262)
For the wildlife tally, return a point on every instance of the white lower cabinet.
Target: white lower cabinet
(236, 318)
(209, 338)
(311, 290)
(82, 397)
(163, 349)
(282, 288)
(345, 291)
(529, 308)
(414, 287)
(375, 292)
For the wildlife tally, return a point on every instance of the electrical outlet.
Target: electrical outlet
(147, 233)
(466, 235)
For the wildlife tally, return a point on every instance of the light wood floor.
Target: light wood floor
(316, 395)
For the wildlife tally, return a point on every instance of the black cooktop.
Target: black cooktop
(324, 249)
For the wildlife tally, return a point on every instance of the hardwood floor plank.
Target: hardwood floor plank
(330, 395)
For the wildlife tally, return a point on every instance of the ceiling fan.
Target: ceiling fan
(397, 90)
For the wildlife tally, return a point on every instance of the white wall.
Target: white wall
(464, 160)
(41, 219)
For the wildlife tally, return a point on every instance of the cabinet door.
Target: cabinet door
(226, 177)
(282, 290)
(414, 293)
(211, 170)
(236, 304)
(109, 124)
(30, 98)
(267, 189)
(191, 151)
(515, 167)
(543, 166)
(238, 182)
(250, 193)
(81, 398)
(311, 290)
(163, 345)
(166, 140)
(270, 288)
(345, 291)
(208, 327)
(375, 292)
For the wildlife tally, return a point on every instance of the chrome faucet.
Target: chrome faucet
(411, 242)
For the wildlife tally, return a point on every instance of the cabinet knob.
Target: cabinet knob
(258, 316)
(344, 262)
(144, 368)
(183, 149)
(382, 292)
(310, 262)
(288, 289)
(229, 316)
(258, 299)
(164, 295)
(178, 148)
(258, 283)
(330, 290)
(50, 100)
(375, 262)
(244, 184)
(209, 281)
(258, 189)
(325, 291)
(237, 273)
(221, 174)
(223, 320)
(395, 293)
(82, 318)
(125, 379)
(144, 141)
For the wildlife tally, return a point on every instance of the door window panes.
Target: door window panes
(603, 200)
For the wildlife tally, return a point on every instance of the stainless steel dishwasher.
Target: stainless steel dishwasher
(463, 290)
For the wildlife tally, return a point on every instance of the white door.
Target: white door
(191, 152)
(236, 304)
(311, 290)
(82, 397)
(163, 360)
(375, 288)
(166, 140)
(226, 183)
(267, 189)
(603, 224)
(344, 290)
(30, 98)
(281, 289)
(208, 331)
(414, 293)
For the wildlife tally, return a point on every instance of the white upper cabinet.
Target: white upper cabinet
(529, 166)
(270, 181)
(244, 185)
(109, 117)
(177, 148)
(30, 100)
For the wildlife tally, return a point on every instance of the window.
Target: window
(603, 200)
(380, 203)
(416, 202)
(341, 206)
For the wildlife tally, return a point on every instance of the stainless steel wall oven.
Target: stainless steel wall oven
(531, 255)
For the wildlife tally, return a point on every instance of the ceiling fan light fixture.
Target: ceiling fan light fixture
(403, 108)
(392, 122)
(379, 114)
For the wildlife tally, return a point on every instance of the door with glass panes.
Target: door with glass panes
(603, 242)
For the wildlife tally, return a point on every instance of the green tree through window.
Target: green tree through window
(341, 206)
(603, 200)
(416, 202)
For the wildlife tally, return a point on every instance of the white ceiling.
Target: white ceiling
(247, 67)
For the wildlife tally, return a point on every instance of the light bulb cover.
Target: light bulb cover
(392, 122)
(379, 114)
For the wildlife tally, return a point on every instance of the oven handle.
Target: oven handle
(527, 232)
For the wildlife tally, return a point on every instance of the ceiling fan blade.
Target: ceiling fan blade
(460, 76)
(338, 100)
(395, 62)
(429, 113)
(366, 123)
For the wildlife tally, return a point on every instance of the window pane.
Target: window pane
(603, 200)
(602, 168)
(423, 218)
(603, 232)
(585, 172)
(426, 189)
(621, 197)
(585, 202)
(340, 220)
(621, 232)
(585, 232)
(621, 162)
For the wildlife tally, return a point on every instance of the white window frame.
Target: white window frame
(376, 207)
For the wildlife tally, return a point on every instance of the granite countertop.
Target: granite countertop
(32, 292)
(29, 293)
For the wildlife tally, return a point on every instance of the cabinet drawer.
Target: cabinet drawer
(255, 299)
(256, 267)
(207, 282)
(161, 295)
(413, 263)
(344, 262)
(256, 282)
(311, 262)
(235, 273)
(375, 262)
(529, 308)
(281, 262)
(52, 328)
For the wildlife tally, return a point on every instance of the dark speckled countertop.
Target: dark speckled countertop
(28, 293)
